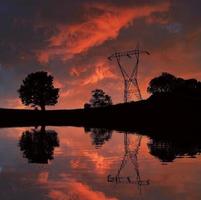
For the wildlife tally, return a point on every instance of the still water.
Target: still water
(68, 163)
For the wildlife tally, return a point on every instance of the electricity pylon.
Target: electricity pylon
(131, 87)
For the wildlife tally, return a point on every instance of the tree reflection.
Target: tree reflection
(38, 145)
(168, 150)
(99, 135)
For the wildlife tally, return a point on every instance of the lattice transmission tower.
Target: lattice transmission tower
(131, 87)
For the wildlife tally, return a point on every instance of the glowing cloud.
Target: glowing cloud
(101, 72)
(78, 191)
(95, 30)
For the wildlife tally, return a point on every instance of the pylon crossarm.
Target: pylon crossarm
(128, 53)
(135, 52)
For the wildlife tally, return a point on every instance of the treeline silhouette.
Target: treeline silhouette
(174, 102)
(37, 90)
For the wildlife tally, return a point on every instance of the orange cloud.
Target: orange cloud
(43, 177)
(86, 193)
(77, 190)
(58, 84)
(43, 57)
(78, 38)
(102, 71)
(77, 164)
(77, 71)
(15, 103)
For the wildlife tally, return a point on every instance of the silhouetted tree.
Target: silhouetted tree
(99, 135)
(99, 99)
(38, 145)
(37, 90)
(165, 83)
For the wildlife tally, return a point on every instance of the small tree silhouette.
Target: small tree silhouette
(99, 99)
(37, 90)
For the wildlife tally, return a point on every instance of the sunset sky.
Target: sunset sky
(71, 39)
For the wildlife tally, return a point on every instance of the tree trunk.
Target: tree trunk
(42, 130)
(42, 107)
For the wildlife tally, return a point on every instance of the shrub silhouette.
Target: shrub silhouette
(98, 99)
(37, 90)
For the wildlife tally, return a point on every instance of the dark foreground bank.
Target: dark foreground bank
(164, 112)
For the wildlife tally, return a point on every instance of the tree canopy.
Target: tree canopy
(37, 89)
(162, 84)
(168, 83)
(99, 99)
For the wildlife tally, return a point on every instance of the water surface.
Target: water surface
(68, 163)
